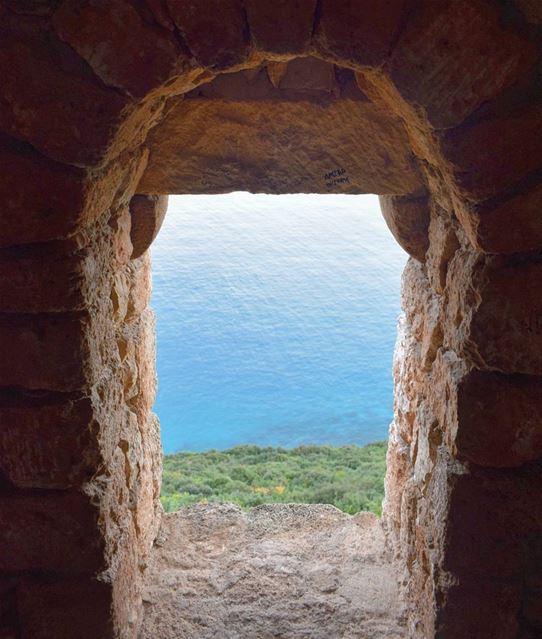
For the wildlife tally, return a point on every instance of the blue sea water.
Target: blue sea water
(276, 320)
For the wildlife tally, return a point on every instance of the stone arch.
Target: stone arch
(86, 85)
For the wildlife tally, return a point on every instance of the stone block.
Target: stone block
(76, 131)
(349, 146)
(110, 36)
(480, 608)
(408, 220)
(281, 26)
(454, 55)
(42, 278)
(41, 199)
(489, 157)
(215, 31)
(52, 532)
(147, 214)
(510, 226)
(358, 32)
(498, 419)
(47, 441)
(64, 608)
(44, 200)
(44, 352)
(505, 328)
(490, 512)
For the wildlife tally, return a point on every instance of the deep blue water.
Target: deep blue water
(276, 320)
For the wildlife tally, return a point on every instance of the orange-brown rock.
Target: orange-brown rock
(46, 440)
(507, 324)
(110, 35)
(453, 55)
(489, 157)
(359, 33)
(215, 31)
(45, 351)
(508, 225)
(281, 26)
(77, 131)
(215, 146)
(102, 100)
(498, 419)
(46, 547)
(408, 220)
(147, 215)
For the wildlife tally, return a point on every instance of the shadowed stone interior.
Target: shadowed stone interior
(108, 106)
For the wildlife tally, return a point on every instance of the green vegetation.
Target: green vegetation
(350, 477)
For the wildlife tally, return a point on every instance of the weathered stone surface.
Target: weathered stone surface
(506, 327)
(304, 75)
(41, 279)
(281, 26)
(147, 213)
(79, 130)
(43, 351)
(358, 33)
(498, 419)
(217, 146)
(453, 55)
(140, 287)
(289, 570)
(408, 220)
(443, 245)
(137, 346)
(110, 35)
(44, 200)
(490, 156)
(446, 87)
(47, 440)
(511, 226)
(66, 608)
(59, 533)
(216, 31)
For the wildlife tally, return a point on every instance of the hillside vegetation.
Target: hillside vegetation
(348, 477)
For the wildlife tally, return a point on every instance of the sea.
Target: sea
(276, 320)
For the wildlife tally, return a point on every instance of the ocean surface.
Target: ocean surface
(276, 320)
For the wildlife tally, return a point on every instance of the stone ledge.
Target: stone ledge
(288, 570)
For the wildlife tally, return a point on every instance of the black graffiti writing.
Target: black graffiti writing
(336, 178)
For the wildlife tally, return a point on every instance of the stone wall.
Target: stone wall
(91, 99)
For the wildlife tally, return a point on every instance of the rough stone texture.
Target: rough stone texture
(453, 55)
(277, 571)
(147, 213)
(402, 99)
(489, 157)
(216, 31)
(265, 140)
(510, 226)
(408, 220)
(98, 32)
(359, 33)
(282, 26)
(499, 419)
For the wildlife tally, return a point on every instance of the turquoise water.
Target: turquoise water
(276, 320)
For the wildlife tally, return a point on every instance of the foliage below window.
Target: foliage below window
(348, 477)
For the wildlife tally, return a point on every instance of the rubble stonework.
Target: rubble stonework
(434, 106)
